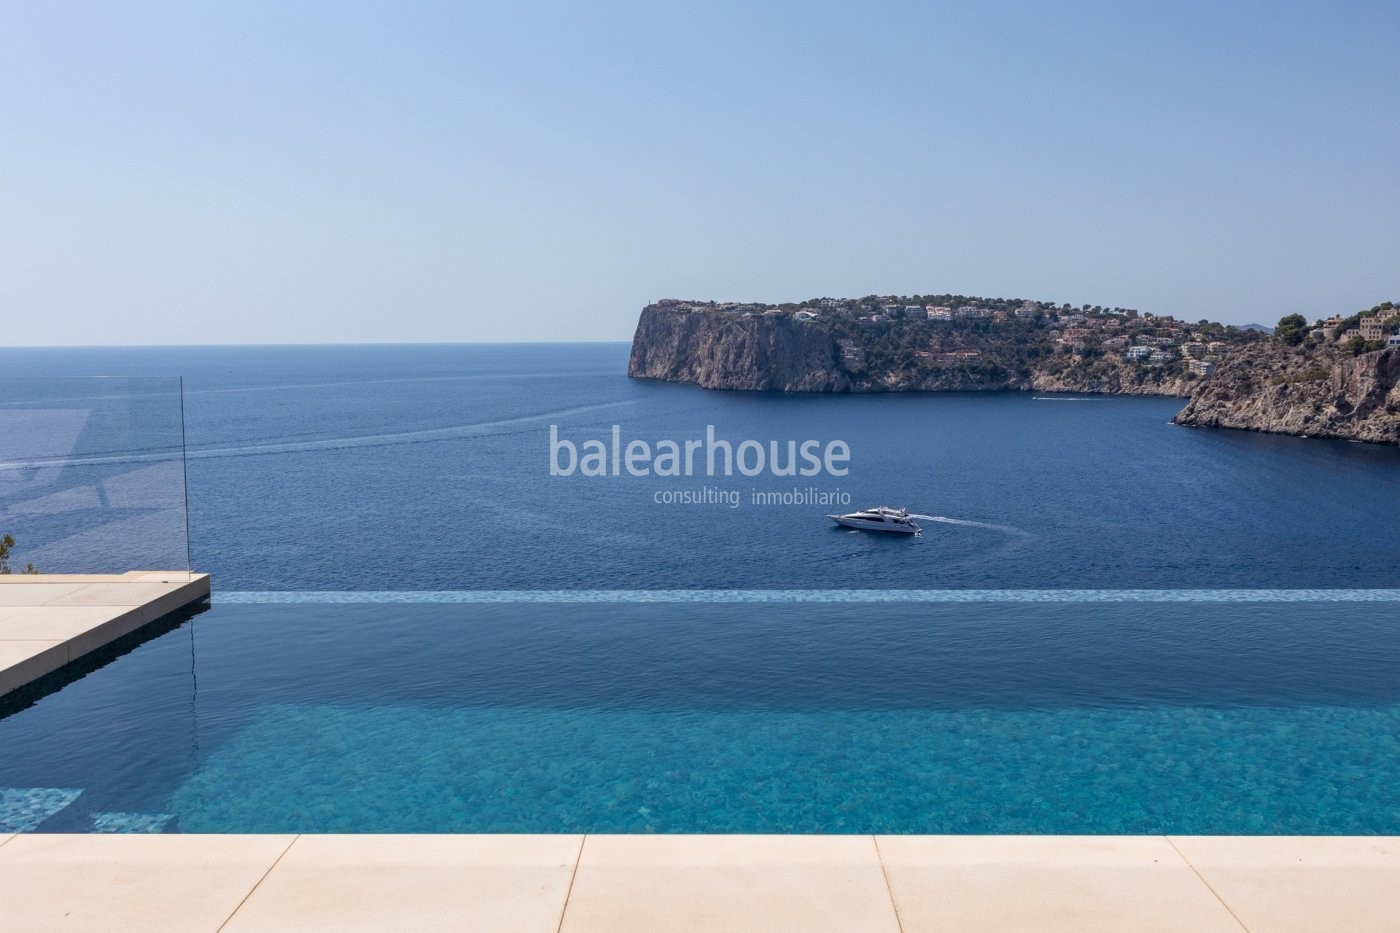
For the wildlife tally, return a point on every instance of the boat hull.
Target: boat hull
(886, 527)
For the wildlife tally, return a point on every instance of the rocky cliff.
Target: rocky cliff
(1114, 380)
(730, 351)
(1321, 392)
(775, 352)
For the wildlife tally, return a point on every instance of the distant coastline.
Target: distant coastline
(1336, 378)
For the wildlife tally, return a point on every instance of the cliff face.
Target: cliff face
(774, 352)
(715, 351)
(1263, 385)
(1318, 393)
(1118, 380)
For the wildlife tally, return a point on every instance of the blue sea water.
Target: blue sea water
(427, 468)
(1110, 624)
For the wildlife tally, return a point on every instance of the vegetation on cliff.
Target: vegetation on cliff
(1337, 378)
(927, 343)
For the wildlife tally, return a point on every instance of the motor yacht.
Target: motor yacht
(879, 519)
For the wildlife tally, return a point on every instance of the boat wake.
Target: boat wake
(1013, 541)
(453, 432)
(355, 383)
(969, 523)
(1051, 398)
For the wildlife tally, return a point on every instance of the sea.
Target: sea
(431, 468)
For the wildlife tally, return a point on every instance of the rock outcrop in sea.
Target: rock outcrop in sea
(1320, 392)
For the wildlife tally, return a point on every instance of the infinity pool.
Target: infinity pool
(1181, 712)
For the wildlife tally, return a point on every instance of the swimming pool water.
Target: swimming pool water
(918, 716)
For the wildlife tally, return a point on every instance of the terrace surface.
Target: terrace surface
(550, 883)
(50, 620)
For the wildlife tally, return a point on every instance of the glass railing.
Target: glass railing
(92, 475)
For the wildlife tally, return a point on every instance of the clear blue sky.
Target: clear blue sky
(338, 171)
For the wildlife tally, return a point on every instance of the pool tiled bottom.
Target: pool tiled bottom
(131, 822)
(321, 768)
(582, 883)
(22, 809)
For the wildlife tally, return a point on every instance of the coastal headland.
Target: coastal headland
(1336, 378)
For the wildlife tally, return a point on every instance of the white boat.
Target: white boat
(880, 519)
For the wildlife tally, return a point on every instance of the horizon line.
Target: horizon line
(296, 343)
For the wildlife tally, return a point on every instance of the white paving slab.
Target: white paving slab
(333, 883)
(1308, 884)
(732, 883)
(27, 593)
(87, 627)
(135, 593)
(46, 623)
(668, 883)
(148, 883)
(1102, 883)
(30, 578)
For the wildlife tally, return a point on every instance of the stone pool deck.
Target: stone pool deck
(551, 883)
(50, 620)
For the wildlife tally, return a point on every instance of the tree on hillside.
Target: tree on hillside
(6, 543)
(1292, 329)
